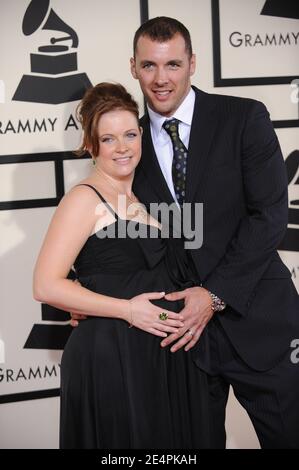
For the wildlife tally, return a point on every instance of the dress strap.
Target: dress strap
(102, 199)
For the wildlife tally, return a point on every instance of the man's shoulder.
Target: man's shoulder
(226, 103)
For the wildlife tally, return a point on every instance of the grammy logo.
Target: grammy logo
(54, 77)
(285, 9)
(53, 331)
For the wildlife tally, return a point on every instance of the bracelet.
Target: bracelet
(217, 304)
(131, 315)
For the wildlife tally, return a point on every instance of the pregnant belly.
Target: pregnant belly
(126, 286)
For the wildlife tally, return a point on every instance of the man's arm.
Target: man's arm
(257, 238)
(262, 229)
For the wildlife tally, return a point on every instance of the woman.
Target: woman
(119, 388)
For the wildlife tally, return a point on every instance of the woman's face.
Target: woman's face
(120, 143)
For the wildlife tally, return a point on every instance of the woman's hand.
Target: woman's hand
(145, 315)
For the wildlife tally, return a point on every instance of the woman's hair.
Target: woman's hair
(97, 101)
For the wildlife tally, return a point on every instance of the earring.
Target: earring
(93, 162)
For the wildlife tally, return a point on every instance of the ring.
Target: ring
(163, 316)
(189, 332)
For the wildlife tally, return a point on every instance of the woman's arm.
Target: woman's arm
(71, 225)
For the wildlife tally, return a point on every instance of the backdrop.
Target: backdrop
(244, 47)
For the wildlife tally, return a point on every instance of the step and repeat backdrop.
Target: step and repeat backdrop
(51, 51)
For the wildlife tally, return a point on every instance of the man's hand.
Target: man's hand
(196, 313)
(75, 318)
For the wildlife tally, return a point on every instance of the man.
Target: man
(245, 312)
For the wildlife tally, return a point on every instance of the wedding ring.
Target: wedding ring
(163, 316)
(189, 332)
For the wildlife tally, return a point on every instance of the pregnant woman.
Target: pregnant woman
(119, 388)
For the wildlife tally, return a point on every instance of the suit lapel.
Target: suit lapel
(150, 166)
(204, 124)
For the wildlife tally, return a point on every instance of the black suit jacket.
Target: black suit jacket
(236, 169)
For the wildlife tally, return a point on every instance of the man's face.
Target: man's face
(163, 70)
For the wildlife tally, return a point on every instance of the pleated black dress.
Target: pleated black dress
(119, 388)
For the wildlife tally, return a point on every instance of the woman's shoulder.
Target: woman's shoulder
(84, 191)
(80, 200)
(77, 209)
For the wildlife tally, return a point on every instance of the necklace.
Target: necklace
(140, 210)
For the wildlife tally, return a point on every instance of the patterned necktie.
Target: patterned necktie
(179, 161)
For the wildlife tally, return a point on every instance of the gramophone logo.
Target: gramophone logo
(285, 9)
(54, 74)
(53, 333)
(256, 48)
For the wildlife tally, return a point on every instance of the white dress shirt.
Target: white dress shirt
(161, 140)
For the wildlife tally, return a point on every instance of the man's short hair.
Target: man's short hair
(163, 29)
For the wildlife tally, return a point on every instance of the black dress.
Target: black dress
(119, 388)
